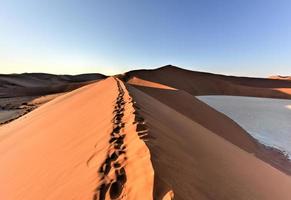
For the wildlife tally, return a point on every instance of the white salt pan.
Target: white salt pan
(267, 120)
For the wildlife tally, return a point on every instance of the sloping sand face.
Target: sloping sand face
(97, 143)
(201, 83)
(37, 84)
(191, 162)
(75, 146)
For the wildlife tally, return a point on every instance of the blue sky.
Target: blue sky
(239, 37)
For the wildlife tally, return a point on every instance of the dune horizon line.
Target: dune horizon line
(138, 135)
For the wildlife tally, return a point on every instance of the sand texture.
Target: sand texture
(139, 135)
(92, 151)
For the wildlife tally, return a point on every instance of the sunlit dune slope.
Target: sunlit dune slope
(82, 145)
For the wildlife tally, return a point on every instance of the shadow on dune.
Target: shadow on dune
(201, 83)
(218, 123)
(36, 84)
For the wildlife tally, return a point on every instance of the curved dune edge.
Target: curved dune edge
(188, 105)
(127, 172)
(202, 83)
(140, 82)
(58, 151)
(97, 143)
(283, 90)
(192, 162)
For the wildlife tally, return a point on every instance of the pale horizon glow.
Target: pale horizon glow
(242, 38)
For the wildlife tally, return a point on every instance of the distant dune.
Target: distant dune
(32, 84)
(21, 93)
(280, 77)
(140, 135)
(201, 83)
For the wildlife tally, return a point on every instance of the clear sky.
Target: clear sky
(239, 37)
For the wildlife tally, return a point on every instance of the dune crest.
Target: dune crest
(202, 83)
(195, 163)
(140, 82)
(96, 143)
(126, 172)
(141, 135)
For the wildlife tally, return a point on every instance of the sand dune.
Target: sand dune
(218, 123)
(146, 138)
(197, 164)
(280, 77)
(21, 93)
(200, 83)
(33, 84)
(93, 147)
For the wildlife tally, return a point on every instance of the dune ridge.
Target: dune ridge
(126, 153)
(141, 135)
(202, 83)
(177, 88)
(21, 93)
(45, 158)
(280, 77)
(33, 84)
(218, 123)
(194, 163)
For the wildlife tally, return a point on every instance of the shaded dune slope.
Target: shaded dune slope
(280, 77)
(149, 138)
(193, 163)
(200, 83)
(83, 145)
(216, 122)
(33, 84)
(176, 88)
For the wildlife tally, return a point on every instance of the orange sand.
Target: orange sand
(55, 152)
(194, 163)
(149, 138)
